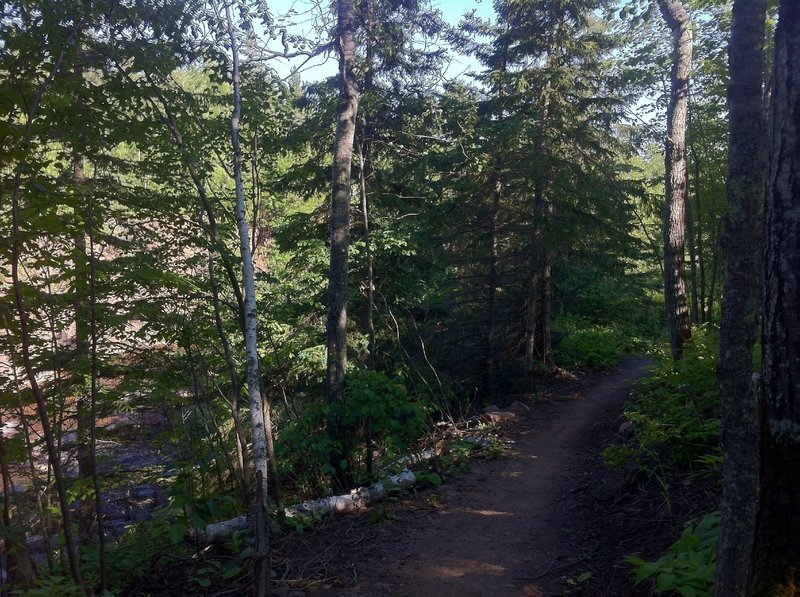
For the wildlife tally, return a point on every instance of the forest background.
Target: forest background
(293, 281)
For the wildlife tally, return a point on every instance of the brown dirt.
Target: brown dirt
(533, 522)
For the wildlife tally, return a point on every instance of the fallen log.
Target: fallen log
(357, 499)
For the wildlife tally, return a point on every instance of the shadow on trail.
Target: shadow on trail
(501, 530)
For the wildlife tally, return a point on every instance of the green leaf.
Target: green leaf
(177, 530)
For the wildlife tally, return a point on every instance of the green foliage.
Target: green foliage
(428, 479)
(689, 564)
(54, 585)
(378, 410)
(675, 411)
(596, 346)
(384, 406)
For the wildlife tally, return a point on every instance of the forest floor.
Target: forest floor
(548, 517)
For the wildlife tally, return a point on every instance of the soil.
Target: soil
(546, 518)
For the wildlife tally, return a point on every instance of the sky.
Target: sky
(306, 13)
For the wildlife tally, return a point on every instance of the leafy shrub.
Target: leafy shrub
(675, 411)
(596, 346)
(383, 404)
(378, 411)
(689, 564)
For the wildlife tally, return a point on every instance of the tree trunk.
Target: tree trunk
(741, 239)
(21, 569)
(260, 458)
(24, 323)
(80, 301)
(41, 406)
(690, 230)
(236, 390)
(697, 224)
(532, 307)
(340, 240)
(365, 167)
(680, 330)
(364, 164)
(491, 305)
(776, 553)
(546, 347)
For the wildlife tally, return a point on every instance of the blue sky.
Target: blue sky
(320, 67)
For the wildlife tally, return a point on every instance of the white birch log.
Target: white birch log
(357, 499)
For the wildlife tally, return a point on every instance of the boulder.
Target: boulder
(520, 409)
(500, 416)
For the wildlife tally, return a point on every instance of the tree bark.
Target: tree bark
(491, 305)
(680, 330)
(690, 231)
(21, 568)
(260, 457)
(236, 390)
(776, 553)
(80, 300)
(41, 407)
(365, 167)
(24, 323)
(340, 242)
(546, 348)
(741, 237)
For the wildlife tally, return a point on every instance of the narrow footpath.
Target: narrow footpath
(505, 528)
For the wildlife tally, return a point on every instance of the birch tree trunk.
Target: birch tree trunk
(776, 553)
(260, 459)
(741, 237)
(676, 177)
(340, 240)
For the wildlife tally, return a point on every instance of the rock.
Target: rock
(519, 409)
(500, 416)
(627, 429)
(491, 408)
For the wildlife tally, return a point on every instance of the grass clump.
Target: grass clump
(675, 413)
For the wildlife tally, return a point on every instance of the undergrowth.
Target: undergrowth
(581, 344)
(675, 414)
(689, 564)
(674, 418)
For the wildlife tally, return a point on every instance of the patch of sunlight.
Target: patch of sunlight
(464, 567)
(490, 513)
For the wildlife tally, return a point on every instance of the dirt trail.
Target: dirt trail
(504, 528)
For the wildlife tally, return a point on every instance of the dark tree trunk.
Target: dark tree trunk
(539, 315)
(776, 553)
(533, 306)
(491, 304)
(489, 373)
(741, 239)
(25, 333)
(41, 407)
(21, 569)
(80, 304)
(546, 346)
(340, 240)
(697, 224)
(690, 231)
(680, 330)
